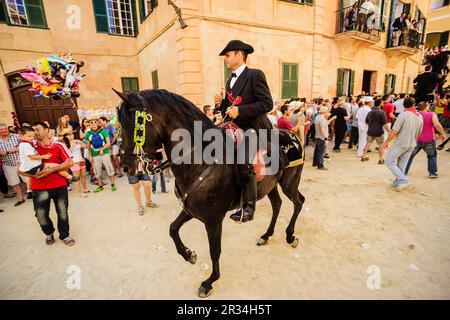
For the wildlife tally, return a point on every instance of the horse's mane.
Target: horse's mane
(162, 101)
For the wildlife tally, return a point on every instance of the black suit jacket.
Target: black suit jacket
(252, 86)
(398, 24)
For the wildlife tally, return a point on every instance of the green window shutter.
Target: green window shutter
(36, 14)
(308, 1)
(289, 87)
(340, 80)
(142, 12)
(3, 15)
(294, 81)
(101, 16)
(154, 3)
(394, 79)
(135, 21)
(134, 84)
(444, 38)
(155, 81)
(126, 85)
(407, 8)
(424, 31)
(384, 10)
(352, 82)
(386, 83)
(285, 87)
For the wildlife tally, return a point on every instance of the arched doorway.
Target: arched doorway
(30, 109)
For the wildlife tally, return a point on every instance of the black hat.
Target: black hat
(236, 45)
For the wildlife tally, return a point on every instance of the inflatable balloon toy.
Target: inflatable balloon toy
(55, 76)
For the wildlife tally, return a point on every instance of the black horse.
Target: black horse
(209, 191)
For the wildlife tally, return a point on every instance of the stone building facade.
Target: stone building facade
(305, 47)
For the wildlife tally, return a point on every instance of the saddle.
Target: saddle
(291, 150)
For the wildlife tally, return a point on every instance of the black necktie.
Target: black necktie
(233, 75)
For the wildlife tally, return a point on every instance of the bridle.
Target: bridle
(143, 158)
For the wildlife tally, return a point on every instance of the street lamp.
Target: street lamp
(178, 12)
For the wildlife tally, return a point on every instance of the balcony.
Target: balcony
(359, 27)
(403, 44)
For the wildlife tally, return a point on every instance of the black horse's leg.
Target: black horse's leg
(175, 226)
(298, 199)
(290, 184)
(214, 230)
(275, 201)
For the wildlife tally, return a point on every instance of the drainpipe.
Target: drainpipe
(404, 71)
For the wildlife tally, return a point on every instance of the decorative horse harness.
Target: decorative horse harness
(140, 120)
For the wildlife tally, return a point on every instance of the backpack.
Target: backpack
(97, 140)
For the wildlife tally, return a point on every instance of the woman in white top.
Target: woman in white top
(79, 165)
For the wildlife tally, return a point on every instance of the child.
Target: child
(30, 160)
(79, 165)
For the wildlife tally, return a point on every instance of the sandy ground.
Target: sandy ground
(352, 224)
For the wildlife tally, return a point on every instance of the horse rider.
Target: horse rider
(248, 112)
(426, 83)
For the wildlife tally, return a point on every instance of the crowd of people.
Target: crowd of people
(41, 164)
(429, 53)
(359, 121)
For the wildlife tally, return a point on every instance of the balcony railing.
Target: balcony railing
(350, 19)
(407, 37)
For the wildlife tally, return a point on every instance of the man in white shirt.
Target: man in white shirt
(363, 11)
(398, 105)
(362, 125)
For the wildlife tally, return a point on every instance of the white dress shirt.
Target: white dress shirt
(238, 72)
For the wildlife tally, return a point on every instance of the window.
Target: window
(389, 83)
(289, 88)
(146, 7)
(120, 17)
(435, 4)
(116, 17)
(130, 85)
(155, 81)
(28, 13)
(310, 2)
(345, 82)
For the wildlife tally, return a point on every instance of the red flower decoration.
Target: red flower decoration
(234, 101)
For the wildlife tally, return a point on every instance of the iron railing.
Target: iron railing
(355, 19)
(406, 37)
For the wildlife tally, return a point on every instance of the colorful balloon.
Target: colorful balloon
(55, 76)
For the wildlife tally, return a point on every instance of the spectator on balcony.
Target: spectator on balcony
(418, 26)
(350, 17)
(398, 26)
(372, 20)
(363, 11)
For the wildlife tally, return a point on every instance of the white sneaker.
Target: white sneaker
(141, 210)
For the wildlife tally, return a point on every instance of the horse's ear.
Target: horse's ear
(123, 96)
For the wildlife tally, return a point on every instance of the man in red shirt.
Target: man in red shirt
(284, 121)
(388, 108)
(48, 185)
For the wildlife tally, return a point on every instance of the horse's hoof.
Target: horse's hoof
(193, 258)
(294, 243)
(203, 292)
(261, 242)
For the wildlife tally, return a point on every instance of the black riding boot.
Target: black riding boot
(249, 194)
